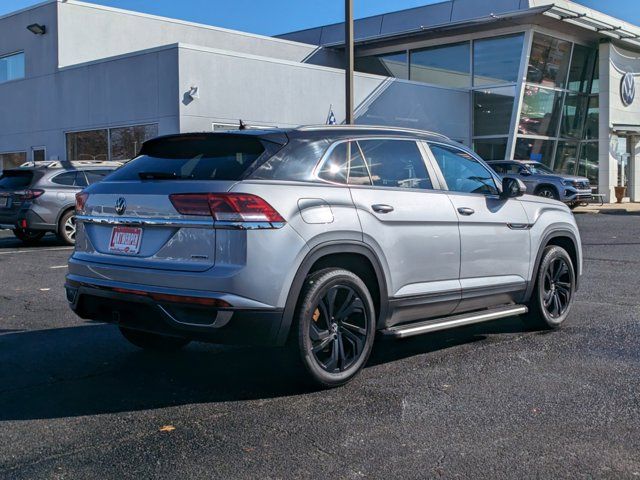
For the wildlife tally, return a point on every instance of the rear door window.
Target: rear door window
(395, 163)
(210, 157)
(462, 172)
(67, 179)
(15, 179)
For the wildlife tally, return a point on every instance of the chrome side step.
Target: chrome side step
(409, 330)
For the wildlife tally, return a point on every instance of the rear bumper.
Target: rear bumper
(34, 221)
(137, 310)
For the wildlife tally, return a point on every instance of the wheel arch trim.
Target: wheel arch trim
(317, 253)
(544, 241)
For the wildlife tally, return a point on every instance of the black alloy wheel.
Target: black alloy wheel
(334, 327)
(554, 290)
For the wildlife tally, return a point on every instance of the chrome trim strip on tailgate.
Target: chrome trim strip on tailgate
(146, 222)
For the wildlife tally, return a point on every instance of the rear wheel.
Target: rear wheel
(334, 327)
(30, 237)
(548, 192)
(67, 228)
(554, 290)
(153, 341)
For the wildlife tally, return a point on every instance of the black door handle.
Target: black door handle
(466, 211)
(381, 208)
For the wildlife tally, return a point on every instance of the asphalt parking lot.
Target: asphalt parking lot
(490, 401)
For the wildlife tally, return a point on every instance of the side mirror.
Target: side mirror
(512, 188)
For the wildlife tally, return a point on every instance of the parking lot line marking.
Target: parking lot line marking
(59, 266)
(37, 250)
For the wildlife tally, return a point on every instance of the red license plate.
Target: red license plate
(125, 240)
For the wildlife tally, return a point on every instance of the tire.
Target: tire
(153, 341)
(548, 192)
(555, 282)
(334, 327)
(67, 228)
(29, 237)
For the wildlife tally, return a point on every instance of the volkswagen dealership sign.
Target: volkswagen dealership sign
(628, 89)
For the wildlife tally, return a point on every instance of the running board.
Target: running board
(409, 330)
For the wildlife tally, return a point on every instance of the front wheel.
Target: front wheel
(554, 290)
(67, 228)
(153, 341)
(548, 192)
(29, 237)
(334, 327)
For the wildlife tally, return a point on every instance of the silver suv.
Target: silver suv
(316, 238)
(544, 182)
(37, 200)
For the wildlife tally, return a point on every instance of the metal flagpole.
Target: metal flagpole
(348, 40)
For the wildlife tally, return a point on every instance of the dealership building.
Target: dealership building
(547, 80)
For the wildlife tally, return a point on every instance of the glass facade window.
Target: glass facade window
(11, 67)
(582, 65)
(588, 163)
(12, 160)
(566, 157)
(541, 110)
(121, 143)
(491, 148)
(492, 111)
(573, 115)
(391, 65)
(91, 145)
(497, 60)
(533, 149)
(592, 123)
(549, 61)
(126, 141)
(448, 65)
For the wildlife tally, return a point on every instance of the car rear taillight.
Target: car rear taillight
(32, 194)
(81, 200)
(242, 208)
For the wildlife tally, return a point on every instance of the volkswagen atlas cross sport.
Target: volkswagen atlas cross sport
(315, 238)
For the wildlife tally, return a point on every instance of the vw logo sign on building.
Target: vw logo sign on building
(121, 206)
(628, 89)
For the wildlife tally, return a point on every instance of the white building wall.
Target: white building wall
(134, 89)
(91, 32)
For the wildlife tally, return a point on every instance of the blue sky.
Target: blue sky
(270, 17)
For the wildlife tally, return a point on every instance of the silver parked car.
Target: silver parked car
(37, 200)
(316, 238)
(544, 182)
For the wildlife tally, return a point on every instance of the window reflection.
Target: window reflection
(574, 111)
(541, 110)
(534, 149)
(12, 160)
(126, 142)
(492, 111)
(109, 144)
(497, 60)
(447, 65)
(582, 65)
(12, 67)
(491, 148)
(391, 65)
(566, 157)
(91, 145)
(588, 164)
(549, 61)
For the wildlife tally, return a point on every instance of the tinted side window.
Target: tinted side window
(462, 172)
(395, 163)
(94, 176)
(67, 178)
(81, 180)
(334, 168)
(499, 168)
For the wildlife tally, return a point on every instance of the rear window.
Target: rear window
(210, 157)
(15, 179)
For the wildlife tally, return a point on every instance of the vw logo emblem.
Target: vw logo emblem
(121, 206)
(628, 89)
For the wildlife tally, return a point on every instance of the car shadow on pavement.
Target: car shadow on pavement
(8, 240)
(90, 369)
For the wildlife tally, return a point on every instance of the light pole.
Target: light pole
(348, 43)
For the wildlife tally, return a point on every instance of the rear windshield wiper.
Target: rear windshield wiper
(163, 176)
